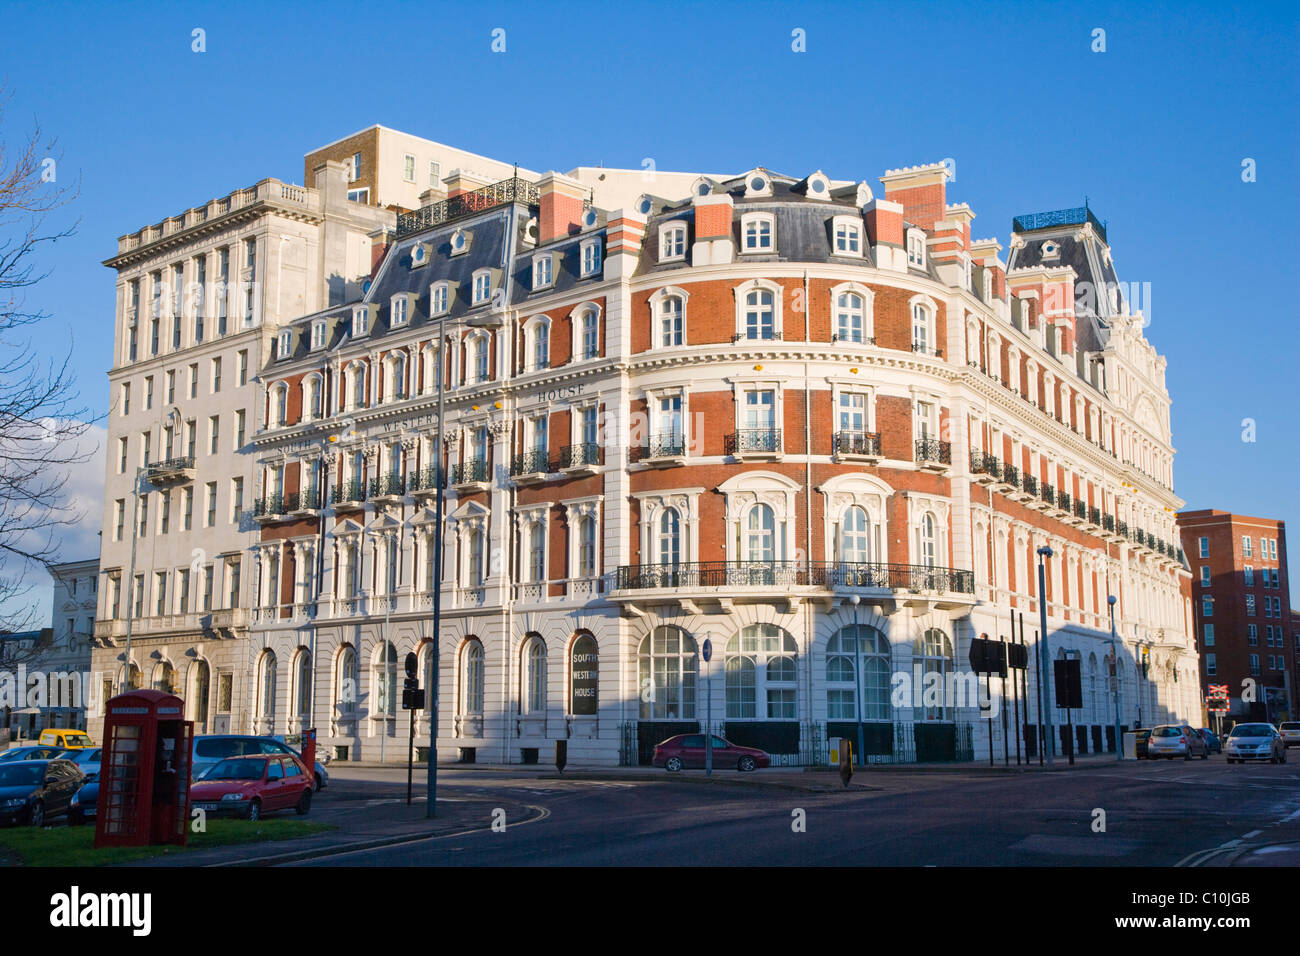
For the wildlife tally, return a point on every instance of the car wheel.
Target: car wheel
(746, 764)
(255, 810)
(304, 804)
(37, 816)
(320, 784)
(673, 764)
(1188, 755)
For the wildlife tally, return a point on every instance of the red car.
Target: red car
(687, 750)
(253, 785)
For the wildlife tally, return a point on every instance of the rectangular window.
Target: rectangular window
(148, 392)
(1250, 605)
(1247, 551)
(233, 569)
(435, 173)
(126, 399)
(137, 599)
(207, 588)
(216, 375)
(758, 235)
(408, 168)
(1248, 576)
(1272, 549)
(1207, 606)
(239, 429)
(183, 590)
(194, 380)
(171, 387)
(223, 289)
(187, 509)
(356, 166)
(1211, 664)
(210, 504)
(236, 499)
(214, 429)
(121, 455)
(160, 593)
(1254, 664)
(144, 448)
(1209, 635)
(119, 518)
(1205, 575)
(1205, 547)
(242, 367)
(165, 512)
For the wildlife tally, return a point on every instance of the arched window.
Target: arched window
(760, 673)
(760, 534)
(199, 693)
(302, 684)
(855, 536)
(670, 537)
(481, 358)
(848, 651)
(345, 682)
(850, 318)
(671, 325)
(760, 321)
(164, 677)
(935, 654)
(927, 541)
(532, 668)
(921, 336)
(590, 334)
(311, 396)
(383, 681)
(471, 679)
(358, 386)
(667, 669)
(397, 378)
(266, 691)
(280, 404)
(537, 344)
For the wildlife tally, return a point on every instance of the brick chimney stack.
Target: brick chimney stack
(922, 191)
(560, 206)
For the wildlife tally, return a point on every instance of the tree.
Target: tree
(40, 418)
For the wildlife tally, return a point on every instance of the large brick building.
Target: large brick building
(820, 427)
(1241, 596)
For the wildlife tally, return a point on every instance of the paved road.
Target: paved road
(1157, 814)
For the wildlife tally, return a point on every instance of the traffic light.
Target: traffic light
(412, 696)
(1146, 662)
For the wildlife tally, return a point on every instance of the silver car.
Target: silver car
(211, 750)
(1176, 740)
(1254, 742)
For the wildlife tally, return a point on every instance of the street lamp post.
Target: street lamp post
(855, 600)
(1044, 657)
(1114, 653)
(431, 804)
(130, 582)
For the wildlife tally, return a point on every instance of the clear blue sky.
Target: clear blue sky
(1153, 131)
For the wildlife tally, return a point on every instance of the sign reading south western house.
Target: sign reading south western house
(585, 676)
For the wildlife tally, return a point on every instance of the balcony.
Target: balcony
(1046, 497)
(269, 509)
(755, 443)
(467, 204)
(1108, 523)
(1010, 482)
(582, 459)
(724, 582)
(228, 621)
(468, 476)
(424, 481)
(926, 350)
(387, 489)
(303, 502)
(985, 469)
(933, 455)
(349, 495)
(665, 450)
(1030, 486)
(857, 446)
(170, 471)
(1081, 509)
(531, 467)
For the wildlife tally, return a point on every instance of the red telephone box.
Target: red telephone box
(144, 780)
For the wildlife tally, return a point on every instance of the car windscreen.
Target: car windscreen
(1251, 730)
(242, 769)
(1166, 732)
(76, 740)
(1290, 725)
(216, 747)
(22, 774)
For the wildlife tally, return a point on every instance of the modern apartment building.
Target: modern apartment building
(1241, 596)
(199, 297)
(817, 426)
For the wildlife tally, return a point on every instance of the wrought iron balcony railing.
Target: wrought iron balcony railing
(1108, 522)
(426, 479)
(466, 204)
(265, 507)
(666, 445)
(1047, 493)
(578, 456)
(348, 491)
(1030, 484)
(1121, 528)
(170, 469)
(387, 486)
(1063, 501)
(1094, 516)
(467, 472)
(926, 350)
(754, 440)
(1011, 476)
(537, 461)
(1080, 509)
(818, 574)
(982, 464)
(857, 443)
(302, 501)
(933, 450)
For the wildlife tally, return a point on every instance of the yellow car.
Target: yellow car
(67, 739)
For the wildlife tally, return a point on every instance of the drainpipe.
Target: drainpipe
(807, 440)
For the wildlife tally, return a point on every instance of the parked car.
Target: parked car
(1290, 731)
(31, 752)
(66, 739)
(84, 804)
(87, 760)
(1176, 740)
(687, 751)
(250, 786)
(1141, 736)
(1254, 742)
(36, 791)
(213, 749)
(1212, 741)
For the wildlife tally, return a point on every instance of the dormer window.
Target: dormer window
(542, 272)
(399, 310)
(286, 340)
(672, 242)
(318, 334)
(482, 286)
(756, 230)
(916, 248)
(819, 187)
(848, 236)
(590, 257)
(459, 242)
(419, 255)
(360, 321)
(1051, 250)
(589, 219)
(757, 183)
(439, 299)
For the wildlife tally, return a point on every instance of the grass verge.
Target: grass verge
(74, 846)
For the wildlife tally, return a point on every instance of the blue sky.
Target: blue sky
(1153, 131)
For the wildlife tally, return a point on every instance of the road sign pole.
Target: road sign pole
(708, 708)
(410, 757)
